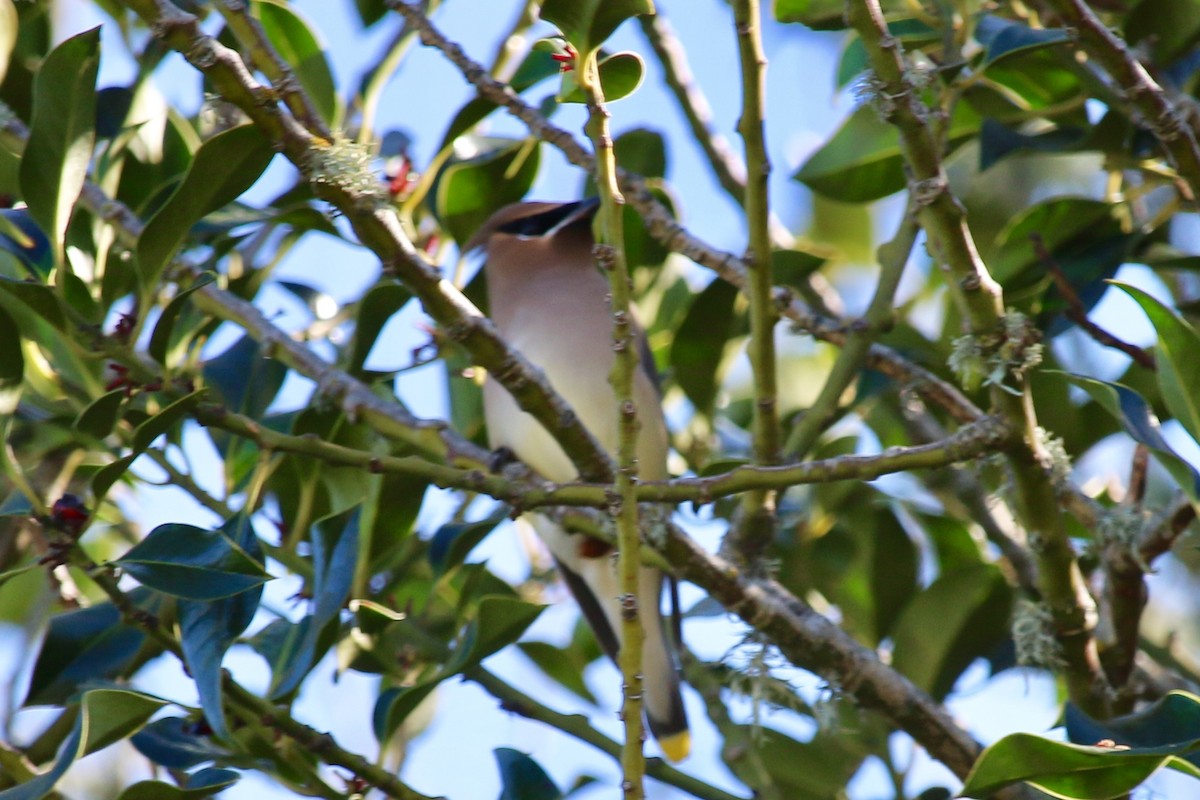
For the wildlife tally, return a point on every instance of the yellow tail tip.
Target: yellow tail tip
(677, 746)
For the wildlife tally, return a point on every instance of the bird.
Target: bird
(550, 302)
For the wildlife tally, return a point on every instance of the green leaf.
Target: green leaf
(1066, 227)
(863, 162)
(160, 339)
(200, 785)
(374, 310)
(454, 541)
(208, 628)
(335, 549)
(55, 164)
(192, 563)
(620, 76)
(564, 664)
(12, 365)
(523, 778)
(171, 742)
(106, 716)
(395, 705)
(82, 646)
(244, 379)
(38, 298)
(1166, 28)
(496, 173)
(21, 236)
(820, 15)
(958, 618)
(1137, 418)
(1005, 37)
(815, 770)
(1068, 770)
(295, 41)
(500, 622)
(588, 23)
(225, 166)
(101, 415)
(998, 141)
(1178, 366)
(912, 33)
(143, 437)
(698, 348)
(1171, 721)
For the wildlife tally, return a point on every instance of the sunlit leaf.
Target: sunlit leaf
(55, 163)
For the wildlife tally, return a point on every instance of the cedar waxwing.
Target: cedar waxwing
(550, 302)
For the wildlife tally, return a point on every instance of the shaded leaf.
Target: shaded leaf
(1006, 37)
(1170, 721)
(12, 364)
(374, 310)
(207, 629)
(192, 563)
(522, 778)
(101, 415)
(224, 167)
(565, 664)
(820, 15)
(454, 541)
(170, 742)
(335, 549)
(698, 348)
(499, 622)
(862, 161)
(143, 437)
(201, 785)
(90, 644)
(160, 339)
(958, 618)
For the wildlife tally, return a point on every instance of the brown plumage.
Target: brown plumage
(551, 303)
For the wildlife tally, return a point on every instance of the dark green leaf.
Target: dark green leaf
(295, 41)
(862, 161)
(171, 743)
(1166, 28)
(224, 167)
(523, 778)
(101, 415)
(192, 563)
(814, 770)
(374, 310)
(960, 617)
(620, 76)
(395, 705)
(912, 33)
(208, 628)
(335, 549)
(499, 622)
(564, 665)
(143, 437)
(55, 164)
(998, 141)
(1178, 366)
(1171, 721)
(1138, 420)
(39, 298)
(587, 23)
(200, 786)
(469, 190)
(12, 365)
(1005, 37)
(90, 644)
(454, 541)
(698, 349)
(244, 380)
(160, 339)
